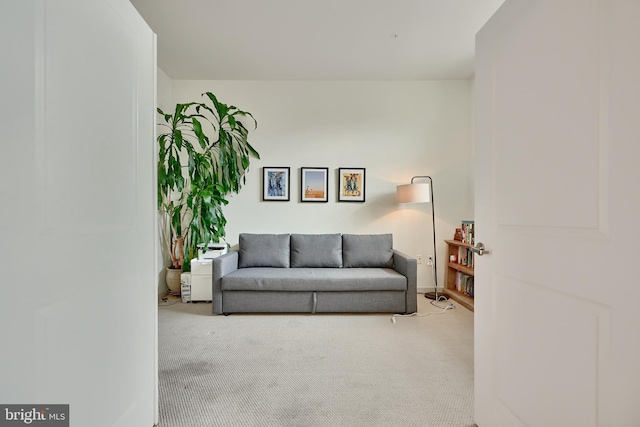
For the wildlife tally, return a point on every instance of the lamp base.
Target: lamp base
(436, 296)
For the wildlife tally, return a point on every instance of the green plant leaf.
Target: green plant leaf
(197, 129)
(232, 122)
(177, 137)
(254, 153)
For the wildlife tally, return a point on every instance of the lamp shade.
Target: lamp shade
(414, 193)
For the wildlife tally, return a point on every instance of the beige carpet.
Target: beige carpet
(315, 370)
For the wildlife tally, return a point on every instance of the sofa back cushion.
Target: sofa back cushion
(263, 250)
(367, 250)
(316, 250)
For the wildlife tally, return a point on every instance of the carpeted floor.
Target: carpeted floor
(315, 370)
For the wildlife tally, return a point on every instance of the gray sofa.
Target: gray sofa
(314, 273)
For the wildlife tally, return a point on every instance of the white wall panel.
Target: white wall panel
(78, 209)
(395, 130)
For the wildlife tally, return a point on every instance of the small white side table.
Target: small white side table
(201, 279)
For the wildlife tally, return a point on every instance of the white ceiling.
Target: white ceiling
(316, 39)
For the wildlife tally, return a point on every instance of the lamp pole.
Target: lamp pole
(432, 295)
(423, 193)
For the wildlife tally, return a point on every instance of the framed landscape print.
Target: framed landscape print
(314, 185)
(275, 184)
(352, 184)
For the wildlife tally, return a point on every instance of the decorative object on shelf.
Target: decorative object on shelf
(458, 235)
(314, 184)
(203, 157)
(423, 193)
(276, 182)
(352, 184)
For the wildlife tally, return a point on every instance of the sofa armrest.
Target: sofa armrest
(222, 266)
(408, 267)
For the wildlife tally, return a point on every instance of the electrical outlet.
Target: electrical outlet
(419, 259)
(430, 260)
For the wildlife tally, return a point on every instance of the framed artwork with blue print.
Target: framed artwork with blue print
(276, 183)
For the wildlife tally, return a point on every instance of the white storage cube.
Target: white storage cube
(201, 288)
(201, 279)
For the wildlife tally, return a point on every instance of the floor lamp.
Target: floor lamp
(423, 193)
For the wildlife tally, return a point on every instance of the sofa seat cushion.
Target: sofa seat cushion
(314, 279)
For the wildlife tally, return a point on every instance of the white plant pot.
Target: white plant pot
(173, 279)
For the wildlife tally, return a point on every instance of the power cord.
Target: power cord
(436, 303)
(165, 302)
(448, 307)
(439, 296)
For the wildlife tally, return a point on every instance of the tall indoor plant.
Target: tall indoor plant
(203, 157)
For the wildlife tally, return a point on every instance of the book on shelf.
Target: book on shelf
(465, 257)
(468, 230)
(464, 284)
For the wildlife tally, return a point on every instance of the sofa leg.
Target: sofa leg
(226, 314)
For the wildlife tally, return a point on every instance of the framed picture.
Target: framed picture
(314, 185)
(275, 184)
(352, 184)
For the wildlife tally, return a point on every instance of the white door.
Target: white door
(77, 94)
(557, 317)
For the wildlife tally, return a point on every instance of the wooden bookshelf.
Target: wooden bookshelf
(459, 277)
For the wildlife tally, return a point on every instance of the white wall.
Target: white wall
(165, 98)
(166, 104)
(395, 130)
